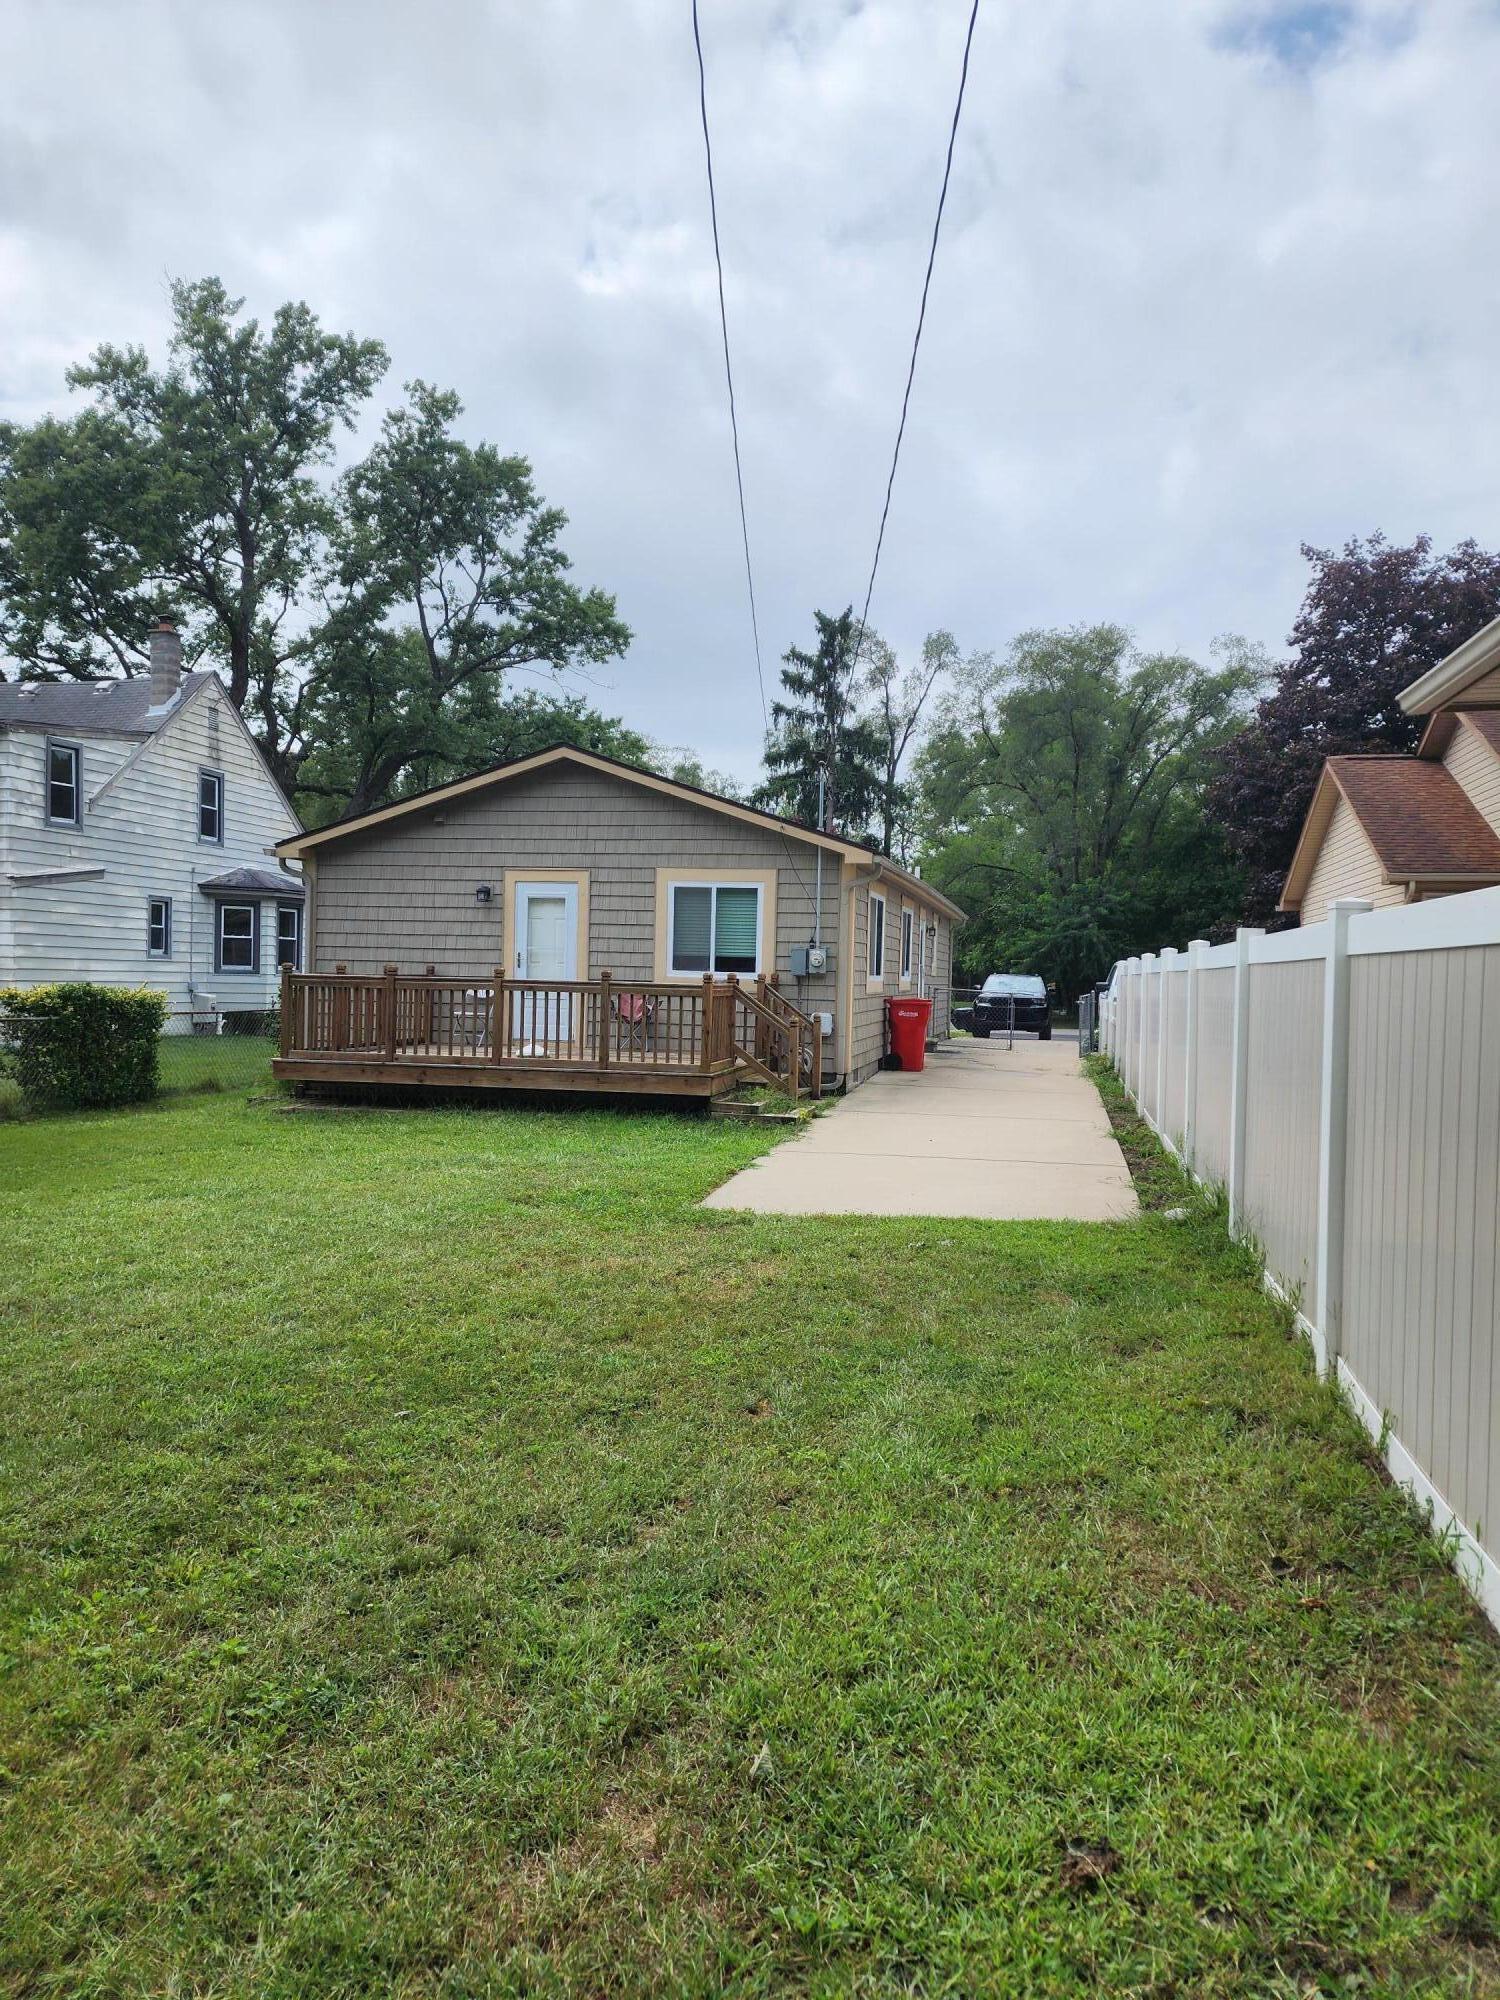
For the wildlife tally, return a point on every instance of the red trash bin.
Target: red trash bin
(908, 1030)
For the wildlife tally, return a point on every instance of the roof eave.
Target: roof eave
(1310, 841)
(1453, 673)
(1477, 876)
(299, 846)
(519, 767)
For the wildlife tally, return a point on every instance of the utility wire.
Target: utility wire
(734, 427)
(917, 340)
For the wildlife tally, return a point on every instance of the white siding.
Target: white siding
(143, 833)
(1483, 693)
(1476, 769)
(1347, 865)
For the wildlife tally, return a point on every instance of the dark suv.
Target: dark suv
(1001, 991)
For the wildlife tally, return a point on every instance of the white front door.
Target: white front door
(544, 923)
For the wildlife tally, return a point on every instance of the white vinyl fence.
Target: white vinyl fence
(1342, 1082)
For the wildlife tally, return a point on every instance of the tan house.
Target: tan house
(572, 913)
(1399, 829)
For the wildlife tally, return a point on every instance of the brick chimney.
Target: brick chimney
(166, 662)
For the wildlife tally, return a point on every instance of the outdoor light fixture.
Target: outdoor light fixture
(483, 893)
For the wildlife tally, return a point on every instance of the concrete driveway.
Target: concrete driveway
(1008, 1134)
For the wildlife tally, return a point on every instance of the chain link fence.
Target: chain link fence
(211, 1048)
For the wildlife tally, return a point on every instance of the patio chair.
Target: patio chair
(636, 1013)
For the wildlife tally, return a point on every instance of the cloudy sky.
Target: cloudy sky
(1216, 279)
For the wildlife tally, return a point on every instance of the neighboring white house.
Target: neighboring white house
(137, 826)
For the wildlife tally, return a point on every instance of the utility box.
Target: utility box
(808, 959)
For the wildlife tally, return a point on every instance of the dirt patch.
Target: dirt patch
(1085, 1864)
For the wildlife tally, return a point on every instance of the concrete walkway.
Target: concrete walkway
(1010, 1134)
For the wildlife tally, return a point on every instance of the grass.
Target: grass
(439, 1559)
(211, 1063)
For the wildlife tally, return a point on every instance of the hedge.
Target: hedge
(78, 1046)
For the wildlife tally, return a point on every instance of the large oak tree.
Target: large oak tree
(450, 576)
(365, 625)
(193, 489)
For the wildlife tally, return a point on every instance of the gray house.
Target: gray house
(570, 911)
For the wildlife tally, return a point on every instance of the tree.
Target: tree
(363, 626)
(898, 698)
(817, 734)
(516, 725)
(687, 767)
(1375, 618)
(1061, 800)
(451, 574)
(193, 489)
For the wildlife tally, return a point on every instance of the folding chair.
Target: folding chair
(636, 1013)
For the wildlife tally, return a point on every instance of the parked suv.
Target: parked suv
(992, 1005)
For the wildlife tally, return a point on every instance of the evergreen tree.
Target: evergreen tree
(817, 733)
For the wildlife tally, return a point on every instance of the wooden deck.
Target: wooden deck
(604, 1035)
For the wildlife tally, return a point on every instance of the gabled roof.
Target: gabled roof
(1441, 686)
(100, 708)
(1421, 823)
(590, 760)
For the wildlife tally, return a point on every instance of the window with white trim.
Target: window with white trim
(876, 964)
(237, 938)
(714, 927)
(64, 784)
(159, 927)
(288, 935)
(908, 921)
(211, 806)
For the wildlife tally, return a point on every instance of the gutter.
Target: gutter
(1451, 675)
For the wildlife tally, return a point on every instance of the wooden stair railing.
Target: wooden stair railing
(775, 1040)
(808, 1026)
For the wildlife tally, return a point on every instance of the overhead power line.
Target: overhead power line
(917, 338)
(734, 427)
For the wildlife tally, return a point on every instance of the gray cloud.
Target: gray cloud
(1215, 279)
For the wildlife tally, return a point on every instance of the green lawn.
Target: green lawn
(440, 1560)
(216, 1062)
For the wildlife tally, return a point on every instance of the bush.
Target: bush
(80, 1046)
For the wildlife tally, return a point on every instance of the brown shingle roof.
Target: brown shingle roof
(1419, 819)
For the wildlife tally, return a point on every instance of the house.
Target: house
(554, 872)
(138, 824)
(1402, 829)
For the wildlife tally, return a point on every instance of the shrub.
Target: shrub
(78, 1046)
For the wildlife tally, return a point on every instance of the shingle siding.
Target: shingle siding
(869, 1038)
(404, 892)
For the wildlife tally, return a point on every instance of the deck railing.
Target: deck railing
(400, 1018)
